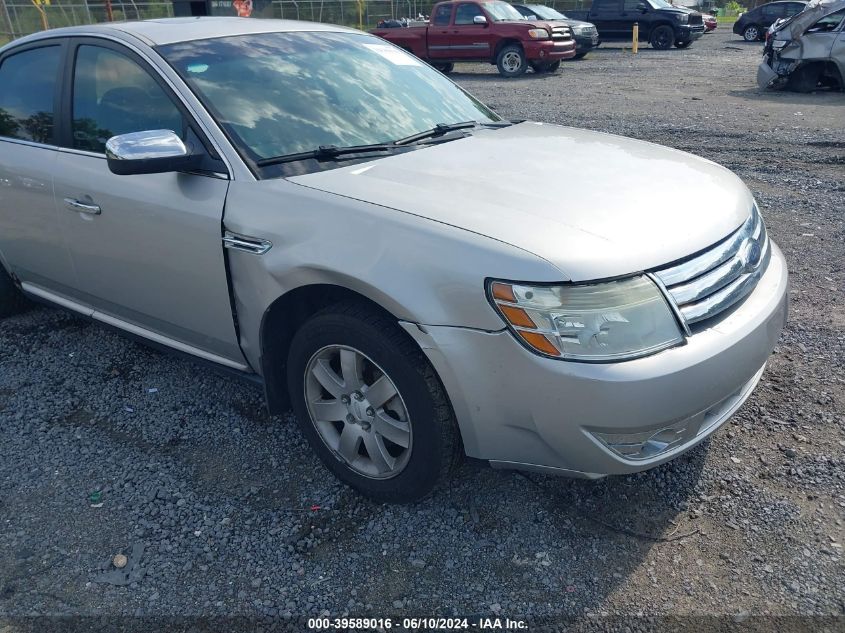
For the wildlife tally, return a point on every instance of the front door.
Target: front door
(470, 40)
(147, 248)
(439, 32)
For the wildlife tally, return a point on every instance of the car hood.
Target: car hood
(592, 204)
(569, 22)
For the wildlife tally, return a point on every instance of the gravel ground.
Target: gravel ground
(108, 447)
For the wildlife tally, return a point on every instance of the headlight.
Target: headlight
(683, 18)
(600, 322)
(779, 44)
(538, 34)
(577, 30)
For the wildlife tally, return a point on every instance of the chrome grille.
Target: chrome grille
(695, 18)
(561, 33)
(716, 279)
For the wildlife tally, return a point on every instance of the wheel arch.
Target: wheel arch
(501, 44)
(282, 319)
(656, 25)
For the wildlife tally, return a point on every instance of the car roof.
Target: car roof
(174, 30)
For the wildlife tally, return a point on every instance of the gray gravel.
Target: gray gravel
(108, 447)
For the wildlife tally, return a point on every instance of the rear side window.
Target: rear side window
(27, 87)
(443, 15)
(794, 8)
(605, 6)
(773, 10)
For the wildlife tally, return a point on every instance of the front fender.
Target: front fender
(419, 270)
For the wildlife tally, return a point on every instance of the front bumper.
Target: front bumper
(519, 410)
(584, 43)
(549, 50)
(687, 33)
(766, 76)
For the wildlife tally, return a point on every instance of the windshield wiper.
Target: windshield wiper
(441, 129)
(438, 130)
(333, 152)
(326, 152)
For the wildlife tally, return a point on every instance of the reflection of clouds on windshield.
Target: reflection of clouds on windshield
(282, 93)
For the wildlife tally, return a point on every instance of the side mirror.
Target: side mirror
(479, 19)
(642, 7)
(149, 152)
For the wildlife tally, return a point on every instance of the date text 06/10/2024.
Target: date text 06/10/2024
(416, 624)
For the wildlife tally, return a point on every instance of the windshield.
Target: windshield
(276, 94)
(660, 4)
(502, 11)
(545, 13)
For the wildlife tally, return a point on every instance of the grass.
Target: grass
(725, 19)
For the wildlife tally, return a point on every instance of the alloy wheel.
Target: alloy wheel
(358, 412)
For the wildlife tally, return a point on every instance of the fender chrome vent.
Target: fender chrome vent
(253, 245)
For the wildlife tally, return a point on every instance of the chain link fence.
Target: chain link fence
(22, 17)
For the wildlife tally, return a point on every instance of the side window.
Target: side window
(794, 8)
(525, 11)
(466, 12)
(631, 5)
(443, 15)
(113, 95)
(773, 11)
(827, 23)
(27, 87)
(605, 7)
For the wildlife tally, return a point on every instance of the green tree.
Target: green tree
(9, 125)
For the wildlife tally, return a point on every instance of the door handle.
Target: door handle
(81, 207)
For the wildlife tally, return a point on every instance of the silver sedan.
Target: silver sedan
(320, 212)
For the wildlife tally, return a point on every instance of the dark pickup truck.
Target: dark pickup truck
(485, 31)
(661, 24)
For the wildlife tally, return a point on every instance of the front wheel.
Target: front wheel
(445, 68)
(11, 299)
(545, 67)
(581, 55)
(511, 61)
(805, 79)
(751, 33)
(371, 405)
(662, 38)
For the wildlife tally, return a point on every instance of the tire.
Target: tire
(392, 448)
(662, 38)
(545, 67)
(805, 79)
(686, 44)
(581, 55)
(12, 300)
(511, 61)
(445, 68)
(751, 33)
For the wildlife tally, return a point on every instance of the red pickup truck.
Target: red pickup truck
(486, 31)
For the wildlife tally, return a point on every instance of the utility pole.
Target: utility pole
(38, 5)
